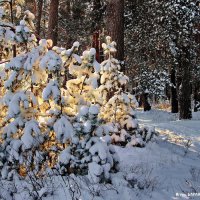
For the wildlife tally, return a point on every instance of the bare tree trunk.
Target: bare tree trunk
(115, 26)
(184, 89)
(174, 97)
(39, 17)
(144, 101)
(196, 97)
(53, 21)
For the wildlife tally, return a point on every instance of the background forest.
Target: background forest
(157, 42)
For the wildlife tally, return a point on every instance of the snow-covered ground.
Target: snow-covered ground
(167, 168)
(170, 127)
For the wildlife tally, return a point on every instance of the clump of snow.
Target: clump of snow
(29, 15)
(76, 44)
(84, 110)
(51, 61)
(32, 135)
(63, 129)
(14, 105)
(52, 89)
(94, 110)
(92, 51)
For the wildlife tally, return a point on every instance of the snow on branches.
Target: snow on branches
(64, 111)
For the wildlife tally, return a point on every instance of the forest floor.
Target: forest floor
(169, 127)
(167, 168)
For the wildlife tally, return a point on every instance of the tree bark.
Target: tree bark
(174, 97)
(39, 17)
(144, 102)
(115, 26)
(184, 89)
(53, 21)
(196, 96)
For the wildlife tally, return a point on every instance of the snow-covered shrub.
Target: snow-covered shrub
(117, 105)
(21, 130)
(15, 39)
(58, 116)
(88, 153)
(82, 88)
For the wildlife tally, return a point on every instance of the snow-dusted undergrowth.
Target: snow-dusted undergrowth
(162, 170)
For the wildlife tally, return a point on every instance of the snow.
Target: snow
(14, 104)
(12, 127)
(130, 123)
(15, 149)
(94, 110)
(11, 79)
(52, 89)
(87, 126)
(63, 129)
(167, 122)
(30, 137)
(76, 44)
(65, 156)
(43, 42)
(18, 28)
(15, 63)
(97, 66)
(31, 59)
(95, 171)
(77, 58)
(92, 51)
(29, 15)
(22, 23)
(50, 61)
(1, 12)
(158, 171)
(83, 110)
(161, 170)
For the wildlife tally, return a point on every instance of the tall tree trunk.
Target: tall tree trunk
(39, 17)
(144, 101)
(115, 26)
(53, 21)
(174, 97)
(184, 89)
(196, 96)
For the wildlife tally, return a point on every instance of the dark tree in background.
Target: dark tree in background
(115, 26)
(39, 16)
(97, 14)
(181, 18)
(53, 21)
(174, 97)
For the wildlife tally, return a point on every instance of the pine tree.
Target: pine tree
(89, 152)
(118, 106)
(86, 152)
(21, 38)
